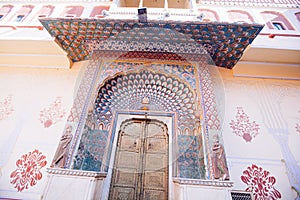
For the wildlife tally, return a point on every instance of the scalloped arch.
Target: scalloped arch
(166, 93)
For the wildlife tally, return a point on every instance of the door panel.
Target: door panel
(155, 162)
(123, 193)
(155, 180)
(141, 163)
(156, 145)
(129, 143)
(127, 159)
(125, 178)
(154, 195)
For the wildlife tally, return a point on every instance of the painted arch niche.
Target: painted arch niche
(147, 90)
(150, 90)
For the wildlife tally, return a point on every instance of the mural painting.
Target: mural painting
(28, 171)
(298, 126)
(53, 114)
(243, 127)
(260, 182)
(6, 107)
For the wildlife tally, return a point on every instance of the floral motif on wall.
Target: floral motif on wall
(6, 107)
(298, 128)
(53, 114)
(28, 170)
(243, 127)
(260, 183)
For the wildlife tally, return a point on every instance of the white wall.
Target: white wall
(32, 91)
(274, 106)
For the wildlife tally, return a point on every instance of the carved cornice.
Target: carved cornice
(215, 183)
(252, 3)
(71, 172)
(53, 1)
(249, 3)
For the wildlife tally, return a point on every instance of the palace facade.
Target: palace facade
(158, 99)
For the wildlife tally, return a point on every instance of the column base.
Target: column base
(194, 189)
(73, 184)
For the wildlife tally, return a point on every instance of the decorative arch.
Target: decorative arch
(5, 10)
(143, 88)
(240, 16)
(45, 11)
(72, 11)
(22, 13)
(210, 15)
(166, 93)
(97, 11)
(297, 14)
(271, 17)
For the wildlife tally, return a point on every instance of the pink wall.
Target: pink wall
(210, 15)
(98, 10)
(240, 16)
(23, 11)
(272, 16)
(5, 10)
(45, 11)
(72, 11)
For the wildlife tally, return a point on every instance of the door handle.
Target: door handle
(136, 144)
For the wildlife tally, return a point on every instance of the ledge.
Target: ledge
(215, 183)
(71, 172)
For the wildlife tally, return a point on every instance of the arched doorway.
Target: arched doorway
(165, 93)
(141, 161)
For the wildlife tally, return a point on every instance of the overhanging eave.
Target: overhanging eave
(225, 42)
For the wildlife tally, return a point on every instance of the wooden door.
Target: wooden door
(141, 163)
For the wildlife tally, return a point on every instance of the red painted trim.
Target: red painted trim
(8, 26)
(272, 35)
(8, 199)
(15, 27)
(38, 27)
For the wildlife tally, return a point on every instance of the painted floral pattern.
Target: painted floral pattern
(6, 107)
(298, 128)
(28, 170)
(260, 183)
(243, 127)
(52, 114)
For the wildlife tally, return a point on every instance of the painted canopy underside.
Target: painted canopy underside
(225, 42)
